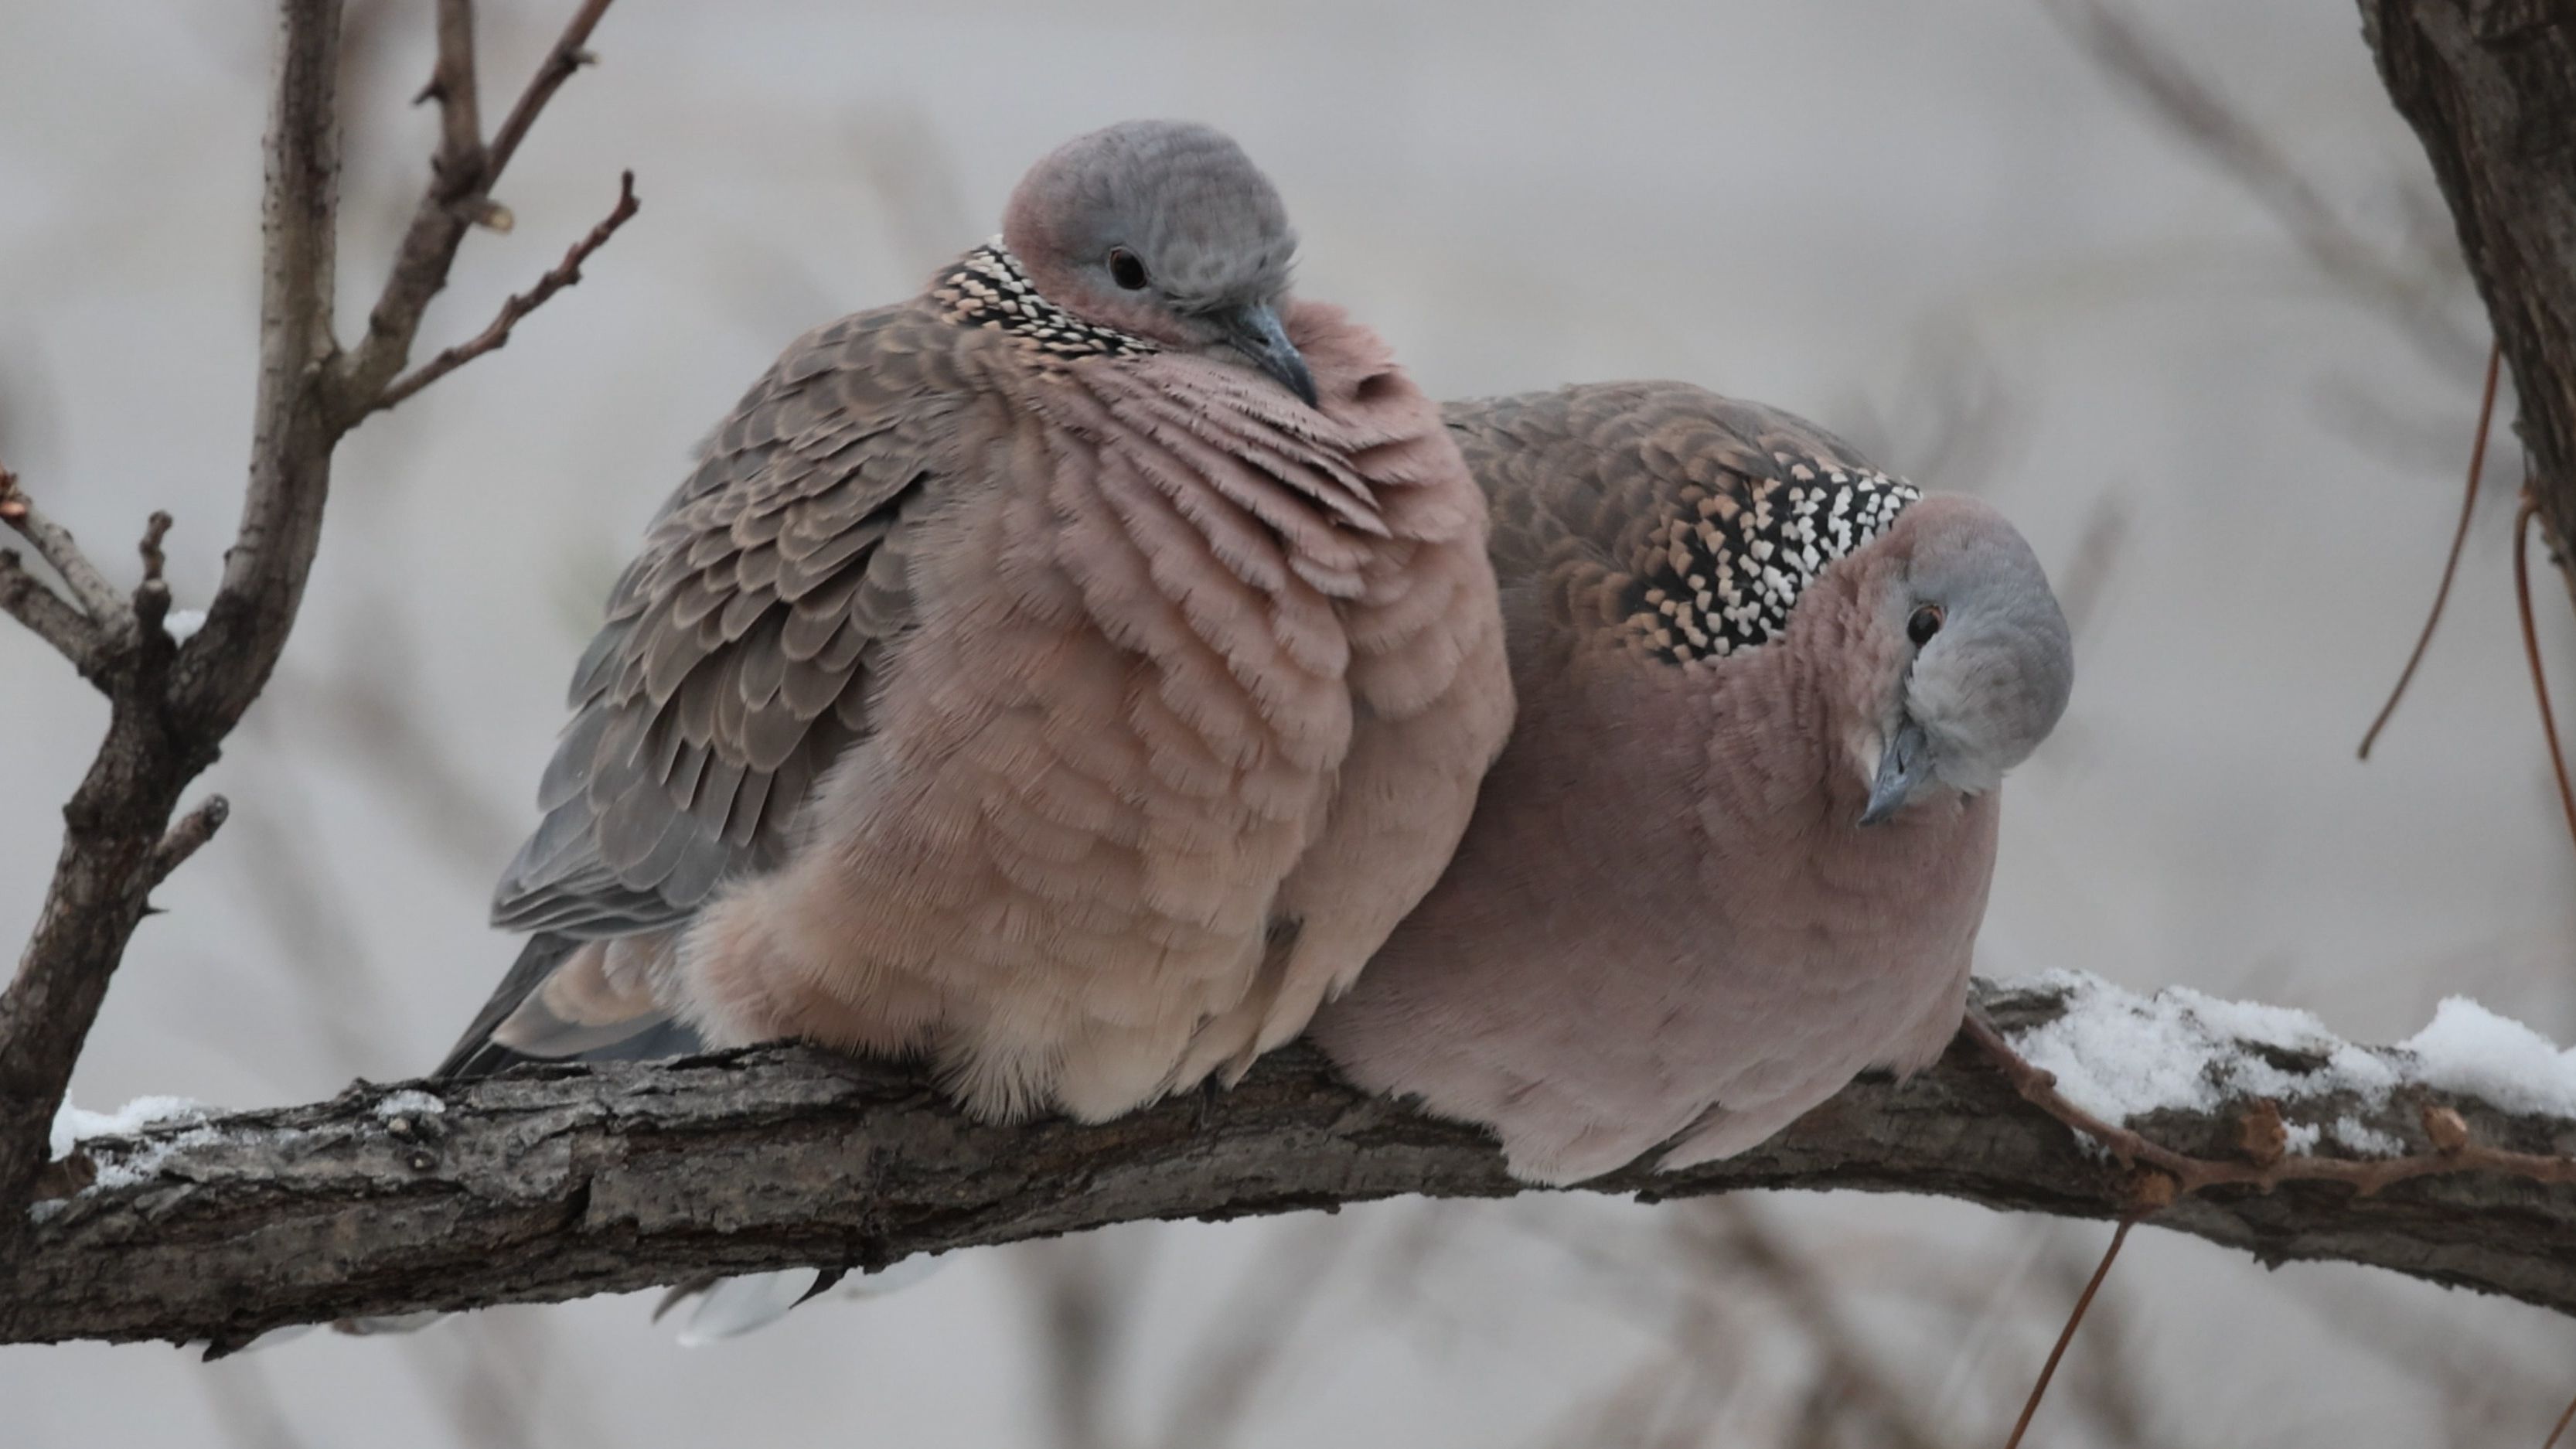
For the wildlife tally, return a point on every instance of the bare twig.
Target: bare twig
(188, 836)
(458, 197)
(2531, 651)
(2560, 1428)
(564, 274)
(2112, 1395)
(570, 53)
(2451, 563)
(47, 615)
(152, 595)
(2194, 109)
(460, 162)
(2048, 1370)
(54, 544)
(155, 529)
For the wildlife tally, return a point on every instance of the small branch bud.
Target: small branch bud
(2262, 1134)
(186, 837)
(155, 529)
(2447, 1129)
(2150, 1192)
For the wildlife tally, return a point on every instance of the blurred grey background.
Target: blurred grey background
(2211, 348)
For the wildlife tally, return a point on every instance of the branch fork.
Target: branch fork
(172, 704)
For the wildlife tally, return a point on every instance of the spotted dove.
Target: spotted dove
(1070, 675)
(1738, 848)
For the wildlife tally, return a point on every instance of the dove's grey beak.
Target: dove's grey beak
(1904, 764)
(1255, 331)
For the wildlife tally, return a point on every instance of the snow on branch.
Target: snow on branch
(549, 1184)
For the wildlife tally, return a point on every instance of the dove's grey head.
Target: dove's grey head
(1970, 660)
(1166, 230)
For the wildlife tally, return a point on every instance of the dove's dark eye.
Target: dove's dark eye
(1125, 270)
(1925, 623)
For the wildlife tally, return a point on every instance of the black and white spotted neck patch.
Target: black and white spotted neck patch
(987, 288)
(1725, 570)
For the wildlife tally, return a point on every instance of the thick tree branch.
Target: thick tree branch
(2490, 88)
(246, 625)
(556, 1183)
(165, 725)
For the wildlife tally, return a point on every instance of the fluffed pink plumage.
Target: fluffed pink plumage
(1069, 675)
(1666, 925)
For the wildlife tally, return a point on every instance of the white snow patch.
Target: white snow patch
(2471, 1050)
(181, 624)
(409, 1102)
(2365, 1139)
(2301, 1137)
(2121, 1056)
(72, 1126)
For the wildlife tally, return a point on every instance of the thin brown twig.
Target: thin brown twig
(458, 198)
(2193, 108)
(155, 530)
(460, 162)
(497, 335)
(2560, 1427)
(48, 615)
(570, 54)
(2183, 1174)
(2531, 649)
(2450, 565)
(2066, 1336)
(54, 544)
(152, 595)
(77, 634)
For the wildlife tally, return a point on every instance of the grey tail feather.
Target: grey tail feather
(477, 1055)
(474, 1055)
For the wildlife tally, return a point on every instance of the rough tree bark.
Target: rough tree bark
(2490, 88)
(553, 1184)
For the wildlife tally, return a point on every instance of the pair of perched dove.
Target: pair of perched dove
(1083, 675)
